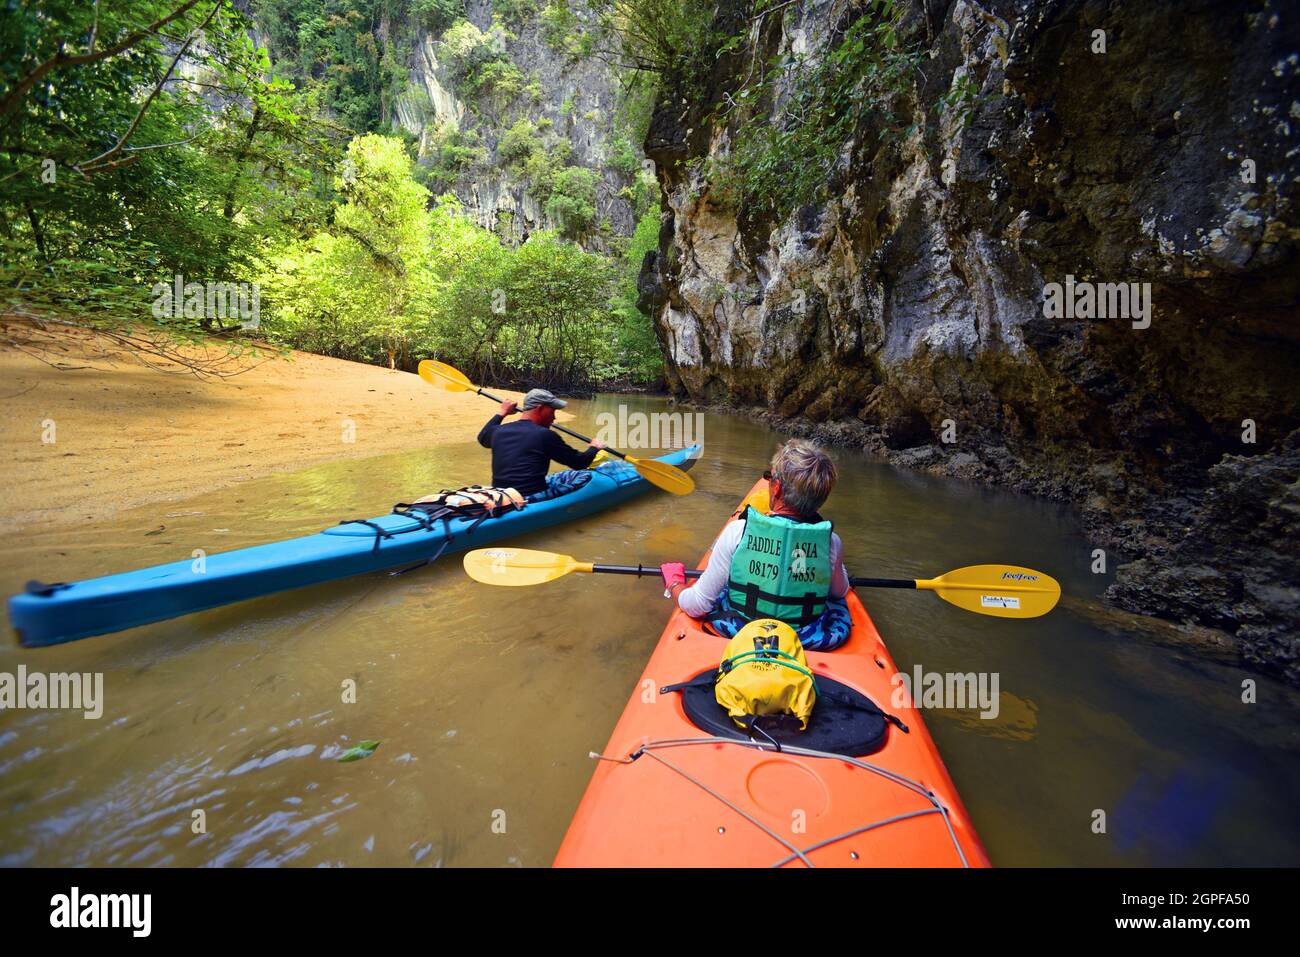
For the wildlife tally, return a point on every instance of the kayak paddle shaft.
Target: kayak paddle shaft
(1001, 591)
(640, 570)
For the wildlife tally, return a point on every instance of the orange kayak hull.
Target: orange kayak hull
(691, 800)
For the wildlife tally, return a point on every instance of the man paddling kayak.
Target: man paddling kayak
(787, 564)
(523, 450)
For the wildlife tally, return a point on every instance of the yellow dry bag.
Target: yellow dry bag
(764, 671)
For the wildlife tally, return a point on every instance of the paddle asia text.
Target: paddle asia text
(948, 691)
(82, 691)
(102, 910)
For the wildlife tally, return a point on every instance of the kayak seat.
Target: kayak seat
(843, 721)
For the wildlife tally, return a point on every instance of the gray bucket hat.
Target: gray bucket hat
(539, 397)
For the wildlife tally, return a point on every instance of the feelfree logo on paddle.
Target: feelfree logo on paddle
(73, 910)
(650, 430)
(78, 691)
(208, 300)
(948, 691)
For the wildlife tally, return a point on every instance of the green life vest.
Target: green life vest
(781, 569)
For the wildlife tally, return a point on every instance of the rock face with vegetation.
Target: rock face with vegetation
(863, 215)
(386, 179)
(501, 100)
(563, 154)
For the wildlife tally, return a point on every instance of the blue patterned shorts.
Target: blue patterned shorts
(562, 483)
(825, 634)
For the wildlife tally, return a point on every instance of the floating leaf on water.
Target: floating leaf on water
(362, 750)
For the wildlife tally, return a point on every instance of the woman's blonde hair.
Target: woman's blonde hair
(807, 475)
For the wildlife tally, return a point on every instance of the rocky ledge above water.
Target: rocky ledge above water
(908, 309)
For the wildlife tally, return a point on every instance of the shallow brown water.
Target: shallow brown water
(487, 701)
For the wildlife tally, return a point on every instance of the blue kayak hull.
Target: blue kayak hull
(100, 606)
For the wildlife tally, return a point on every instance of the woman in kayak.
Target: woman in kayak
(787, 564)
(523, 450)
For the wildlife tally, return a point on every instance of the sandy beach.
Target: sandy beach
(89, 430)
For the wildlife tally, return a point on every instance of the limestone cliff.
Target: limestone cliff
(906, 313)
(503, 104)
(571, 96)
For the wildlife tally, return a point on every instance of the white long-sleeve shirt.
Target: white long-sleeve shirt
(701, 598)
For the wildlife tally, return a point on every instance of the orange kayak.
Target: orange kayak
(666, 793)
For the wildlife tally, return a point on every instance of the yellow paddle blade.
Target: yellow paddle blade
(759, 501)
(667, 477)
(519, 566)
(445, 376)
(1003, 591)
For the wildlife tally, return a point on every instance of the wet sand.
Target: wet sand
(88, 430)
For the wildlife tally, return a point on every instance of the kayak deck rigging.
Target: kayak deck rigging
(648, 748)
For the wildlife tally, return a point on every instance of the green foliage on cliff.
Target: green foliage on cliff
(515, 12)
(338, 47)
(638, 92)
(467, 49)
(481, 68)
(860, 85)
(498, 80)
(635, 342)
(391, 280)
(453, 153)
(623, 156)
(519, 143)
(568, 193)
(643, 194)
(792, 118)
(560, 28)
(436, 15)
(572, 203)
(674, 39)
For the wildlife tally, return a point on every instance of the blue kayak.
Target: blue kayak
(50, 614)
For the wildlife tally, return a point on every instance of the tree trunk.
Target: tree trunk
(240, 158)
(37, 235)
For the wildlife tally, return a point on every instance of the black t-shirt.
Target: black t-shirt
(522, 452)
